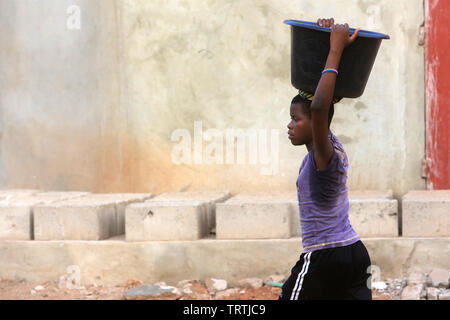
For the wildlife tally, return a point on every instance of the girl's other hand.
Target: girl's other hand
(326, 23)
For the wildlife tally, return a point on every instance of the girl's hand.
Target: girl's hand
(340, 37)
(326, 23)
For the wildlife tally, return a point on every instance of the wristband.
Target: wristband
(330, 70)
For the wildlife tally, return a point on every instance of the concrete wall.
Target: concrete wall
(113, 262)
(96, 108)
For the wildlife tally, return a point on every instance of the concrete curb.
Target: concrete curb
(114, 261)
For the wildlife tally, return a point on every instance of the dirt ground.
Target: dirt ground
(16, 290)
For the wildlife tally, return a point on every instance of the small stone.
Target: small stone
(162, 284)
(184, 283)
(33, 292)
(225, 293)
(277, 278)
(39, 288)
(193, 289)
(416, 278)
(146, 292)
(432, 293)
(251, 283)
(412, 292)
(214, 285)
(439, 278)
(444, 295)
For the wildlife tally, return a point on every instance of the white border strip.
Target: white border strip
(300, 276)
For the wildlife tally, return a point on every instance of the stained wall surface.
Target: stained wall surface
(146, 95)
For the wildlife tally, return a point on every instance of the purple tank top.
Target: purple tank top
(323, 202)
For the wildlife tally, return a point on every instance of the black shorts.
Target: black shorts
(340, 273)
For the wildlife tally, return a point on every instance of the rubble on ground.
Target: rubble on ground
(433, 285)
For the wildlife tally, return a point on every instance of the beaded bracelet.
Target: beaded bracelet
(330, 70)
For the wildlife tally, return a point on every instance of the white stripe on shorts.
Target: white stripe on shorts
(299, 282)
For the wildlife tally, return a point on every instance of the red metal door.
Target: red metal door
(437, 81)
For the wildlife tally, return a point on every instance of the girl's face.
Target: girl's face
(300, 130)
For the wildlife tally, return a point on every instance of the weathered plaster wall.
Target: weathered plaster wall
(96, 108)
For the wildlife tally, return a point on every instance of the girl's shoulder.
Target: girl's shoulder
(336, 143)
(340, 156)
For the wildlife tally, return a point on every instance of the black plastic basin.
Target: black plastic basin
(310, 45)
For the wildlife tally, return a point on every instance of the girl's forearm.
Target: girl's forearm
(325, 90)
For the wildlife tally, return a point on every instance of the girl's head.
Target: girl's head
(300, 129)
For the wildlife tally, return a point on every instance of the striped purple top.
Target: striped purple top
(323, 202)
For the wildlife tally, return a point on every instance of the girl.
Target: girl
(334, 262)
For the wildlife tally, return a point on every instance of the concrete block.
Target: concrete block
(296, 228)
(210, 198)
(7, 194)
(373, 213)
(45, 197)
(370, 194)
(16, 212)
(374, 217)
(16, 221)
(75, 219)
(426, 213)
(287, 197)
(63, 194)
(154, 220)
(121, 200)
(257, 218)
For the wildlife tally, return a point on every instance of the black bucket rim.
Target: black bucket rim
(314, 26)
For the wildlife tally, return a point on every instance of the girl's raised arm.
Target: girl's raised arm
(339, 40)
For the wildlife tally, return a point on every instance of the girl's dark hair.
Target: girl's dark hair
(306, 108)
